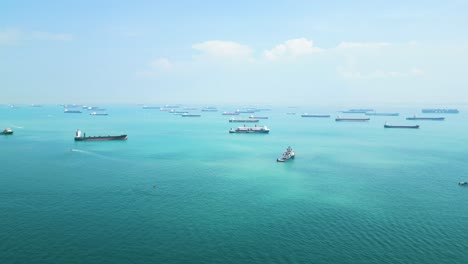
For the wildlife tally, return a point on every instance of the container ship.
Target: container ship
(255, 129)
(426, 118)
(439, 111)
(82, 137)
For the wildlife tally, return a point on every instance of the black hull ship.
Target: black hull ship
(82, 137)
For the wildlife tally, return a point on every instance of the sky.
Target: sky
(208, 52)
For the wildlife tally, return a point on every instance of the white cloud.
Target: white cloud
(9, 36)
(354, 45)
(378, 74)
(157, 67)
(224, 50)
(291, 48)
(48, 36)
(13, 36)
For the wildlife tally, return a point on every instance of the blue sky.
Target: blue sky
(291, 52)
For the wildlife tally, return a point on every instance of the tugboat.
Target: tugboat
(287, 155)
(7, 131)
(82, 137)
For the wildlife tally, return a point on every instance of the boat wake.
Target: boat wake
(91, 154)
(15, 126)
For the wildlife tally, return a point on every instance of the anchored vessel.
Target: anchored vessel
(233, 120)
(351, 119)
(386, 125)
(190, 115)
(97, 114)
(82, 137)
(7, 131)
(258, 117)
(382, 114)
(151, 107)
(426, 118)
(72, 111)
(230, 113)
(309, 115)
(210, 109)
(357, 111)
(440, 111)
(256, 129)
(287, 155)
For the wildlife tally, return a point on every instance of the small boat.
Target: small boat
(426, 118)
(338, 119)
(386, 125)
(98, 114)
(82, 137)
(7, 131)
(233, 120)
(258, 117)
(66, 111)
(318, 116)
(290, 113)
(190, 115)
(287, 155)
(463, 183)
(256, 129)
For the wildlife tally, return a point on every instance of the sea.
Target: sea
(184, 190)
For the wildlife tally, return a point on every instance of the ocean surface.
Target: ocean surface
(184, 190)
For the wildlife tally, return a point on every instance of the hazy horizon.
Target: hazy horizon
(291, 53)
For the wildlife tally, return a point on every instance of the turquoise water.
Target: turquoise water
(184, 190)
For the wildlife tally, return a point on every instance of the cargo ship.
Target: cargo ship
(439, 111)
(82, 137)
(255, 129)
(426, 118)
(352, 119)
(319, 116)
(151, 107)
(258, 117)
(210, 109)
(66, 111)
(230, 113)
(233, 120)
(7, 131)
(190, 115)
(98, 114)
(382, 114)
(386, 125)
(357, 111)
